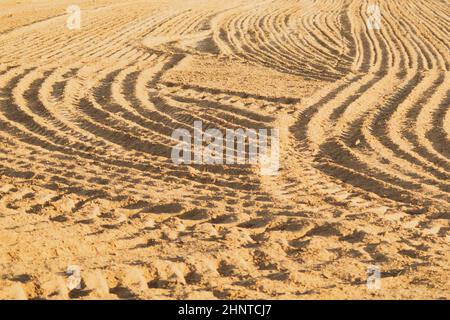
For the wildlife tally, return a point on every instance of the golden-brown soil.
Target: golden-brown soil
(86, 179)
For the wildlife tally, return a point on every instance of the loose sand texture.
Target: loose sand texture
(87, 179)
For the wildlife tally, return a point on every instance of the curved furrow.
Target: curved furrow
(173, 21)
(115, 97)
(261, 48)
(104, 122)
(75, 43)
(346, 156)
(344, 167)
(371, 58)
(318, 15)
(102, 94)
(406, 59)
(268, 23)
(127, 29)
(270, 51)
(386, 47)
(435, 11)
(419, 55)
(24, 110)
(25, 107)
(402, 120)
(348, 97)
(96, 28)
(82, 40)
(334, 24)
(40, 108)
(439, 59)
(219, 34)
(23, 126)
(87, 123)
(384, 154)
(430, 15)
(193, 21)
(141, 93)
(350, 159)
(123, 41)
(274, 19)
(352, 166)
(33, 133)
(321, 37)
(283, 35)
(291, 39)
(103, 102)
(331, 147)
(321, 34)
(364, 55)
(126, 37)
(56, 94)
(436, 133)
(426, 60)
(440, 8)
(271, 37)
(35, 129)
(301, 129)
(440, 43)
(423, 121)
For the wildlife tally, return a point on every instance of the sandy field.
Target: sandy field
(87, 182)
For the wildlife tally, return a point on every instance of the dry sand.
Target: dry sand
(86, 118)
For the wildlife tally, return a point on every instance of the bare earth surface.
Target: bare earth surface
(86, 179)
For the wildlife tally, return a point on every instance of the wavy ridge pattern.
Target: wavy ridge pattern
(86, 119)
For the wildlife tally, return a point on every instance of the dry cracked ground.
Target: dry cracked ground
(86, 179)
